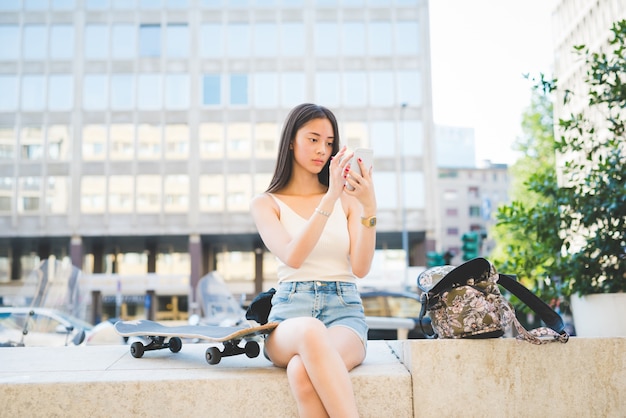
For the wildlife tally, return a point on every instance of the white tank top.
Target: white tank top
(329, 260)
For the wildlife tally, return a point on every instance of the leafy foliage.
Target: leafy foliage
(565, 233)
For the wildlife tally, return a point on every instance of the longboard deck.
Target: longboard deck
(230, 337)
(209, 333)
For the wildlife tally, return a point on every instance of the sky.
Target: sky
(480, 50)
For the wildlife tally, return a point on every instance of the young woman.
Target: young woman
(323, 236)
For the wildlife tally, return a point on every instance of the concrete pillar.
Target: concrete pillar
(98, 257)
(152, 256)
(195, 256)
(16, 262)
(258, 270)
(43, 250)
(76, 251)
(96, 306)
(151, 305)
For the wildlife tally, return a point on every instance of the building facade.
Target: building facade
(133, 134)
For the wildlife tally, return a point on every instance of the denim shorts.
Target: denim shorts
(333, 303)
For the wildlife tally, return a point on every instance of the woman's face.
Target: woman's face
(313, 145)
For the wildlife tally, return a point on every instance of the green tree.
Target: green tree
(527, 238)
(570, 238)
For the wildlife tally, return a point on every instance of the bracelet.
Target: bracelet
(322, 212)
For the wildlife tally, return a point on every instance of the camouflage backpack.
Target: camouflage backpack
(465, 302)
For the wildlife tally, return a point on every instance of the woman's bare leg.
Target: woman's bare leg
(317, 353)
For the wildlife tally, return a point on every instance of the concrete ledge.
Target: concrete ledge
(586, 377)
(103, 381)
(431, 378)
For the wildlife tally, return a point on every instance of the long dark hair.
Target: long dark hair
(299, 116)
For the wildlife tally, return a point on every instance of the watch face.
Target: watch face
(372, 221)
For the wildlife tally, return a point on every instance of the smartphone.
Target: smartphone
(366, 155)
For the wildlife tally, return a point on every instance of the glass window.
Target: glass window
(8, 98)
(10, 41)
(238, 89)
(31, 143)
(354, 88)
(10, 5)
(150, 92)
(149, 142)
(177, 4)
(239, 40)
(95, 92)
(61, 92)
(413, 190)
(57, 194)
(122, 142)
(266, 39)
(327, 91)
(61, 42)
(266, 90)
(383, 138)
(211, 195)
(150, 4)
(35, 4)
(63, 4)
(211, 89)
(380, 38)
(59, 142)
(122, 92)
(123, 41)
(238, 140)
(353, 39)
(148, 193)
(412, 132)
(7, 143)
(293, 89)
(409, 87)
(292, 39)
(97, 4)
(211, 40)
(266, 141)
(177, 41)
(92, 194)
(34, 46)
(176, 190)
(176, 142)
(381, 89)
(150, 40)
(326, 36)
(386, 190)
(33, 92)
(123, 4)
(29, 194)
(121, 194)
(6, 194)
(96, 42)
(211, 136)
(177, 91)
(239, 192)
(94, 142)
(407, 38)
(355, 135)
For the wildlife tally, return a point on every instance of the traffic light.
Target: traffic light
(471, 245)
(434, 259)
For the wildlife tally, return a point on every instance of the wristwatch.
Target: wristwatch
(369, 222)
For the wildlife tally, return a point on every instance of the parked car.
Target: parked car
(24, 326)
(402, 306)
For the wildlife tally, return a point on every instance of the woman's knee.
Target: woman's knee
(299, 379)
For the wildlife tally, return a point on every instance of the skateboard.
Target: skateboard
(229, 337)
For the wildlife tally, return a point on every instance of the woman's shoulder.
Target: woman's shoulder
(264, 199)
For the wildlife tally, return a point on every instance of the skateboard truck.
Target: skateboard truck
(231, 348)
(156, 343)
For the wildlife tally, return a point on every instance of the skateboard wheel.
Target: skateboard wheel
(252, 349)
(213, 355)
(175, 344)
(136, 349)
